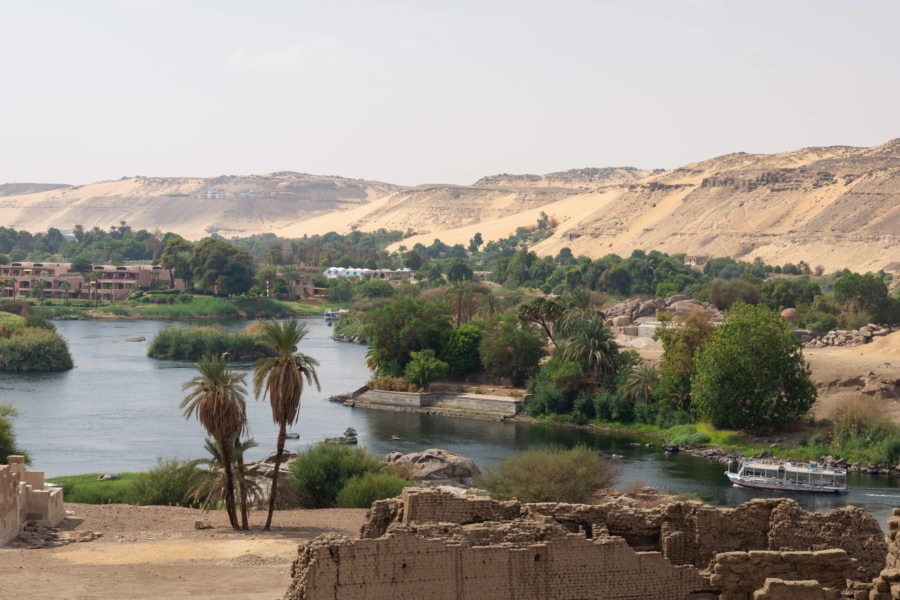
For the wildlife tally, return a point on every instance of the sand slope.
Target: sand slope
(835, 206)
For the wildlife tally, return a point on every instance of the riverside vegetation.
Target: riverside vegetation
(29, 343)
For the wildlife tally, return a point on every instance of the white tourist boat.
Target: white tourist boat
(763, 474)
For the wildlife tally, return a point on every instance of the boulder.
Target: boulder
(436, 465)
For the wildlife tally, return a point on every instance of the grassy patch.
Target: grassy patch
(191, 343)
(87, 489)
(11, 321)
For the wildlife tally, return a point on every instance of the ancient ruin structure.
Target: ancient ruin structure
(432, 544)
(23, 498)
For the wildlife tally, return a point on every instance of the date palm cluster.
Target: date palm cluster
(216, 396)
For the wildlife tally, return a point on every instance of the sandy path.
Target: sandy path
(155, 552)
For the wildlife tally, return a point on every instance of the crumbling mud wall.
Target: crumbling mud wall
(686, 533)
(432, 544)
(23, 498)
(486, 561)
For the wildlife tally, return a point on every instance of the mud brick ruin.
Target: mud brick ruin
(432, 544)
(23, 498)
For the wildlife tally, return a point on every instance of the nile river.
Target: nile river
(118, 411)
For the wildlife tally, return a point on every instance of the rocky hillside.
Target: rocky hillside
(834, 206)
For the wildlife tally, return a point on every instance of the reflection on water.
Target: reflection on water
(118, 411)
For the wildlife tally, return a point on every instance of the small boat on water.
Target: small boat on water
(332, 316)
(773, 475)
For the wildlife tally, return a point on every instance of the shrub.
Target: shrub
(424, 367)
(34, 349)
(550, 475)
(16, 307)
(361, 491)
(391, 384)
(167, 484)
(852, 418)
(461, 351)
(685, 435)
(39, 322)
(320, 472)
(613, 406)
(192, 343)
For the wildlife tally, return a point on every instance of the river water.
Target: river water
(118, 411)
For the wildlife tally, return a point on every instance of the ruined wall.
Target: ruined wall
(486, 561)
(686, 533)
(740, 574)
(23, 498)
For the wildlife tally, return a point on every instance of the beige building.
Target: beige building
(23, 498)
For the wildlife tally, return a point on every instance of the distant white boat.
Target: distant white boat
(788, 477)
(334, 315)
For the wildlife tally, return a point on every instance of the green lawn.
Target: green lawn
(87, 489)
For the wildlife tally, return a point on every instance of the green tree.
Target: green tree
(461, 351)
(216, 397)
(412, 260)
(511, 349)
(403, 326)
(593, 347)
(282, 378)
(221, 267)
(543, 312)
(424, 367)
(752, 374)
(681, 337)
(175, 258)
(475, 242)
(640, 383)
(8, 444)
(208, 485)
(457, 270)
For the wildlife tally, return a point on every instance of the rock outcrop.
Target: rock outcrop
(436, 466)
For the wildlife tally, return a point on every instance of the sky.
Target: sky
(433, 92)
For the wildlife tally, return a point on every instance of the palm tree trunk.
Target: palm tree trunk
(282, 431)
(229, 484)
(241, 483)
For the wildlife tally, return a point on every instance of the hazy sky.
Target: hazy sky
(425, 92)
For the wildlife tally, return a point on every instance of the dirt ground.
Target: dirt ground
(155, 552)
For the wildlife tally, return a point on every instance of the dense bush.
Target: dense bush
(39, 322)
(404, 326)
(169, 483)
(319, 473)
(424, 367)
(613, 406)
(461, 351)
(685, 435)
(391, 384)
(34, 349)
(8, 444)
(550, 475)
(192, 343)
(361, 491)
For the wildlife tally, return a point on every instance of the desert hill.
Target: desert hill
(832, 206)
(193, 207)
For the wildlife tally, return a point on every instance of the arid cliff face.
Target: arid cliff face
(836, 207)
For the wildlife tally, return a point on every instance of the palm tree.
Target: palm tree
(594, 347)
(64, 286)
(640, 383)
(578, 307)
(490, 305)
(210, 484)
(216, 397)
(281, 377)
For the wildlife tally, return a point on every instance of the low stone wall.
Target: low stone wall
(23, 498)
(465, 402)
